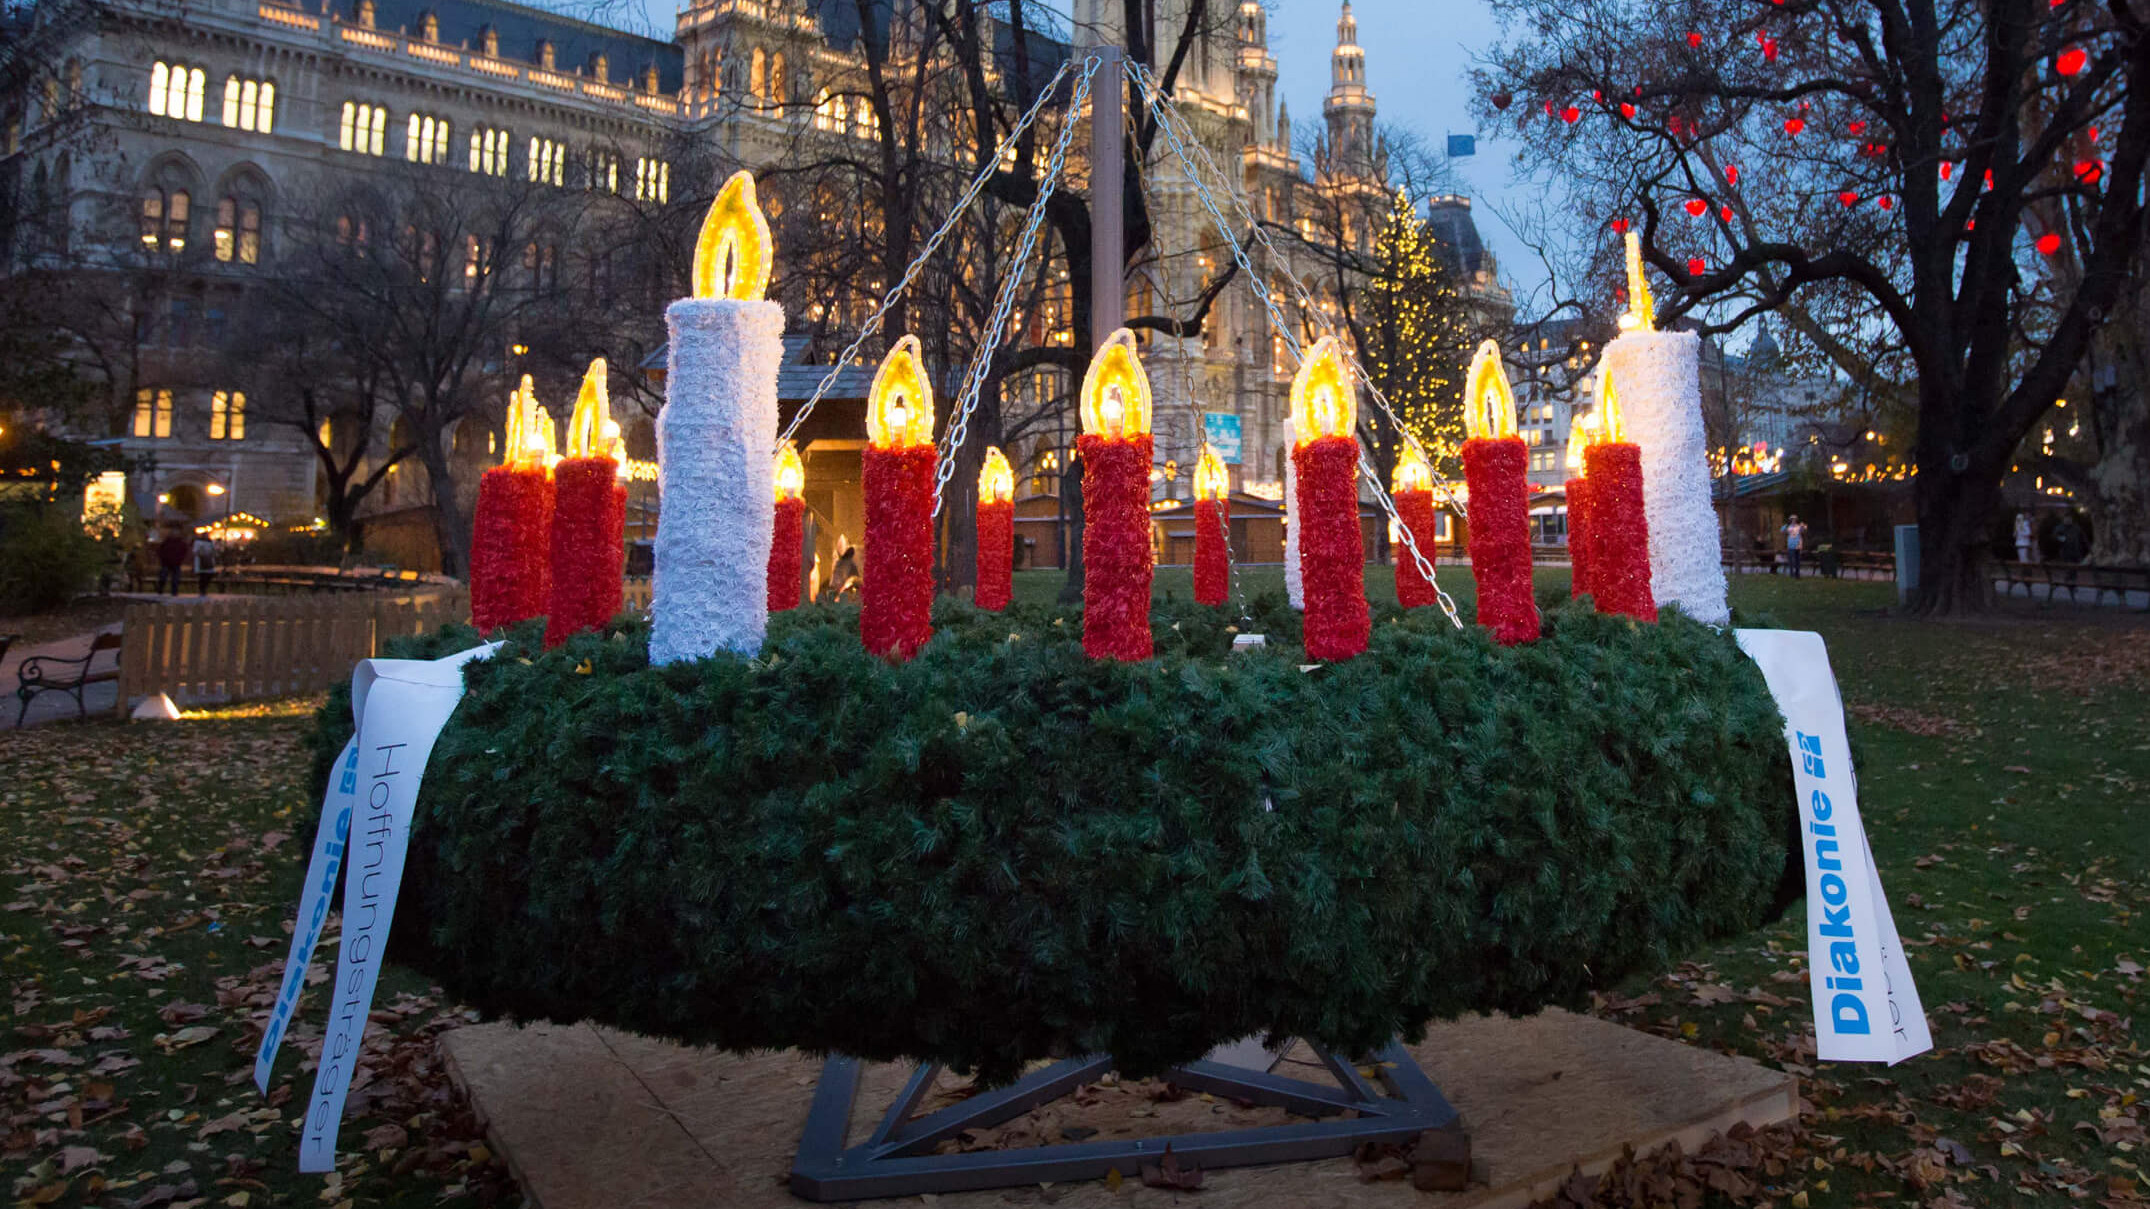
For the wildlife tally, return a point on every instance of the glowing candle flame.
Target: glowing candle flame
(529, 435)
(1488, 403)
(1211, 480)
(1582, 434)
(1607, 425)
(996, 479)
(899, 407)
(1324, 403)
(1412, 472)
(1116, 390)
(732, 256)
(586, 424)
(790, 473)
(1641, 313)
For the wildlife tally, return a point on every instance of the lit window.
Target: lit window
(175, 91)
(227, 415)
(249, 104)
(489, 151)
(548, 161)
(153, 413)
(363, 129)
(653, 180)
(238, 231)
(604, 170)
(164, 217)
(425, 140)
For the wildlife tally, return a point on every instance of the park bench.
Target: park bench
(46, 674)
(2074, 577)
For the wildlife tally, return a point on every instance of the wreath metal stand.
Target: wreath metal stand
(899, 1158)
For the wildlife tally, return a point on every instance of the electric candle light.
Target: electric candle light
(788, 536)
(996, 532)
(1411, 487)
(1580, 434)
(1496, 467)
(1116, 450)
(1660, 380)
(896, 578)
(589, 520)
(709, 587)
(1620, 528)
(1332, 552)
(511, 528)
(1212, 519)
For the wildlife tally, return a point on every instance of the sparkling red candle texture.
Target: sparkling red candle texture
(785, 556)
(896, 589)
(589, 529)
(1579, 537)
(996, 554)
(1620, 531)
(511, 535)
(1332, 551)
(1212, 569)
(1415, 509)
(1117, 570)
(1496, 469)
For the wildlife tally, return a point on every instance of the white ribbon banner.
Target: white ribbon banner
(1866, 1008)
(399, 707)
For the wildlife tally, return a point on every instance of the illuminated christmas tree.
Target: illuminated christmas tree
(1418, 332)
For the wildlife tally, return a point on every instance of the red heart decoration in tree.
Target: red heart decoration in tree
(1619, 226)
(2090, 172)
(1627, 110)
(1696, 206)
(1947, 170)
(1886, 203)
(1571, 115)
(2071, 61)
(1731, 174)
(1769, 49)
(1848, 198)
(2049, 243)
(1793, 126)
(1694, 40)
(1725, 213)
(1597, 94)
(1501, 100)
(1695, 266)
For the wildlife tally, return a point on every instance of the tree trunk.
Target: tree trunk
(451, 529)
(2119, 496)
(1953, 512)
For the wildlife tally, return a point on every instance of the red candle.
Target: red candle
(1412, 490)
(1212, 524)
(1620, 530)
(1496, 468)
(1579, 536)
(896, 580)
(589, 519)
(996, 532)
(1116, 449)
(788, 535)
(511, 529)
(1332, 551)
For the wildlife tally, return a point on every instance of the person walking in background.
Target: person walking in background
(204, 562)
(171, 561)
(1795, 540)
(2026, 539)
(2069, 542)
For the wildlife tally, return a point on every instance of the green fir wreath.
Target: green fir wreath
(1002, 851)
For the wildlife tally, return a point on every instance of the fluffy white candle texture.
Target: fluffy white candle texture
(716, 472)
(1294, 579)
(1659, 379)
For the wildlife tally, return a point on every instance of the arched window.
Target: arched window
(152, 413)
(758, 76)
(175, 91)
(249, 104)
(227, 415)
(238, 230)
(164, 218)
(425, 139)
(364, 128)
(777, 91)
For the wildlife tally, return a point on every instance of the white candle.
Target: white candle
(1661, 401)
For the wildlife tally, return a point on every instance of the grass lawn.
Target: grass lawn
(147, 874)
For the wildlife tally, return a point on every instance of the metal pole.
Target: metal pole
(1108, 144)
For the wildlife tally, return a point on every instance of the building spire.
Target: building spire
(1349, 107)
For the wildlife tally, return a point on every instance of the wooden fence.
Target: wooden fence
(238, 650)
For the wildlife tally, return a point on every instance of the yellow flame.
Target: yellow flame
(1488, 403)
(1116, 390)
(1582, 434)
(530, 436)
(1641, 313)
(733, 255)
(586, 424)
(614, 443)
(1412, 472)
(899, 407)
(790, 473)
(1211, 480)
(1608, 424)
(996, 480)
(1324, 402)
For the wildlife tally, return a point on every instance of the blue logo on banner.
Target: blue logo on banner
(1221, 430)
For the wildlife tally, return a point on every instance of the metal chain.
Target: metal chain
(987, 168)
(1169, 119)
(967, 402)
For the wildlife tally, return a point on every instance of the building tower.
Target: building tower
(1351, 151)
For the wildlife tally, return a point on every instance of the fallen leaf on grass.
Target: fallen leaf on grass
(192, 1035)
